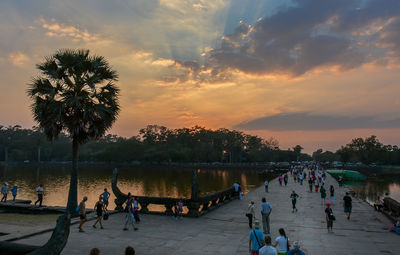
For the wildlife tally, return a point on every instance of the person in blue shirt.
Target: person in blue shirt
(105, 196)
(296, 250)
(255, 239)
(14, 191)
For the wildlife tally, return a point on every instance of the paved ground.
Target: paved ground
(225, 230)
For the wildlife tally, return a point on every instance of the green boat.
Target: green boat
(347, 174)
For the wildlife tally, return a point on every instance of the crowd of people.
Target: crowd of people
(260, 241)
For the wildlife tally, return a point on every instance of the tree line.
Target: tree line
(365, 150)
(154, 143)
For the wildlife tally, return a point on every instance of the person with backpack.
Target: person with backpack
(255, 239)
(329, 217)
(129, 210)
(283, 242)
(296, 250)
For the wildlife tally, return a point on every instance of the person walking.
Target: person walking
(99, 207)
(250, 214)
(310, 183)
(329, 217)
(4, 192)
(175, 210)
(39, 191)
(280, 179)
(266, 185)
(283, 242)
(82, 213)
(136, 209)
(323, 194)
(14, 192)
(129, 216)
(180, 205)
(256, 238)
(106, 195)
(268, 249)
(332, 195)
(296, 249)
(316, 184)
(301, 178)
(294, 197)
(266, 210)
(347, 204)
(285, 179)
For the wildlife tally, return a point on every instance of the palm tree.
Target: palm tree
(74, 93)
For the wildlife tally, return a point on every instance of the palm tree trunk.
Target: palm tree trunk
(73, 186)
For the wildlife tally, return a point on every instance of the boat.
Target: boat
(347, 174)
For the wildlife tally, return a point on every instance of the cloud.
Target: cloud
(307, 121)
(55, 29)
(312, 34)
(18, 58)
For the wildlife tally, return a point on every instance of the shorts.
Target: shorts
(105, 202)
(129, 217)
(82, 216)
(329, 224)
(347, 209)
(99, 213)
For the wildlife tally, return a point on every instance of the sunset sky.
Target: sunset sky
(310, 72)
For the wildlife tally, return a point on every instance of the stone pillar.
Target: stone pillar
(193, 209)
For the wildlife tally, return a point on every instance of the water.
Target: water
(370, 189)
(162, 182)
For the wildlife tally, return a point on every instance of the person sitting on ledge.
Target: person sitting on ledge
(378, 205)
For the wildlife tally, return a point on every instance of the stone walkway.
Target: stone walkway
(225, 230)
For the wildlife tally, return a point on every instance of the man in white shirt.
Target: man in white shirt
(265, 212)
(39, 191)
(268, 249)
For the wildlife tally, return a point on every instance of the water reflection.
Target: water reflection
(165, 182)
(370, 190)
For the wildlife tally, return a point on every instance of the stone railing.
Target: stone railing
(392, 206)
(196, 206)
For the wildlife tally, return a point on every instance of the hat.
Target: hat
(6, 183)
(256, 224)
(328, 204)
(296, 244)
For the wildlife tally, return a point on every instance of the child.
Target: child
(14, 191)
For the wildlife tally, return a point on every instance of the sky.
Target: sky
(309, 72)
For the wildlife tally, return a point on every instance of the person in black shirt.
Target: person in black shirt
(294, 197)
(347, 204)
(329, 217)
